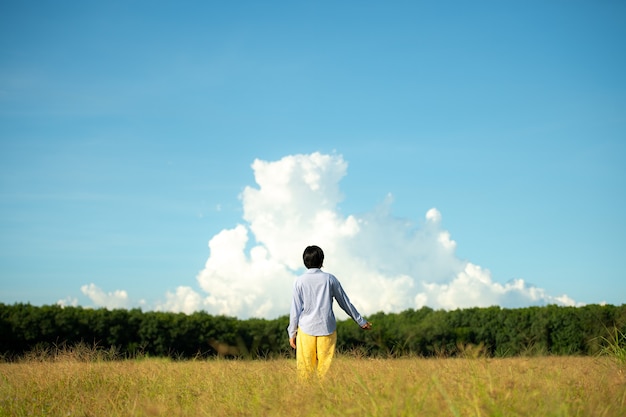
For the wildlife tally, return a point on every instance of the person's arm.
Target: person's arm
(294, 316)
(345, 304)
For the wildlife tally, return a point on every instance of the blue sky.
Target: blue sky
(129, 130)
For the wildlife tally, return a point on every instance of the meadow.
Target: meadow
(73, 385)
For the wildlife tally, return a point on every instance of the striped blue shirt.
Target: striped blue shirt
(312, 304)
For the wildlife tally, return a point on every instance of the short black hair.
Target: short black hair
(313, 257)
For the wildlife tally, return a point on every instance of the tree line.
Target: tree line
(497, 331)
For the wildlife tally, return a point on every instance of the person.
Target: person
(312, 324)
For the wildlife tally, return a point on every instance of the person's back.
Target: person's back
(315, 289)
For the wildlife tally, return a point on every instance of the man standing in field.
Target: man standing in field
(312, 325)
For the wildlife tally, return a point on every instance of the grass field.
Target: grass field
(538, 386)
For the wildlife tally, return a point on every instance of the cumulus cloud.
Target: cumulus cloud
(115, 299)
(184, 300)
(385, 263)
(68, 302)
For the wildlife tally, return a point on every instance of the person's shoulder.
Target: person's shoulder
(331, 277)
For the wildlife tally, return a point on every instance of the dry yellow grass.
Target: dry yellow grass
(543, 386)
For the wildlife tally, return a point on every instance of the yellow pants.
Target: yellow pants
(314, 354)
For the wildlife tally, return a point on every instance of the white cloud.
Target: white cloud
(116, 299)
(68, 302)
(384, 263)
(433, 215)
(240, 283)
(184, 300)
(473, 287)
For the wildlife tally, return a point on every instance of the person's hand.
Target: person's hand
(292, 342)
(367, 326)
